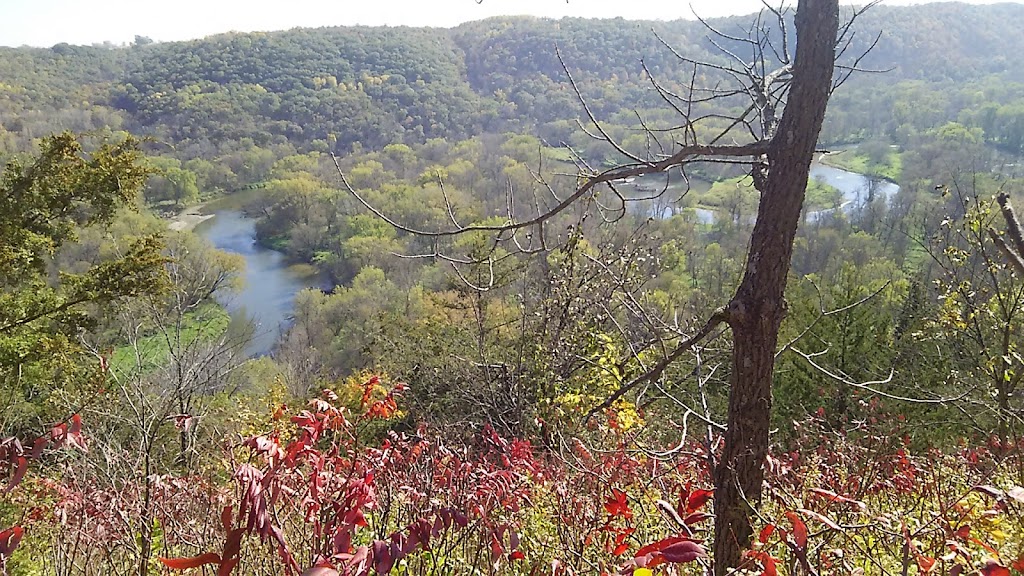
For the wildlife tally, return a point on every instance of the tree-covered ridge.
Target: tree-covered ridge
(333, 87)
(368, 85)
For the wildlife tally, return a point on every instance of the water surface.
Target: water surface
(270, 282)
(856, 189)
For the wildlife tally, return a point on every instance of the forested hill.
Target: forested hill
(367, 87)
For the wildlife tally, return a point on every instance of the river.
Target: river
(856, 190)
(270, 282)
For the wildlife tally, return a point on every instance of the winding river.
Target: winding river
(271, 283)
(856, 189)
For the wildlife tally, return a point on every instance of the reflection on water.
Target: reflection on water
(270, 283)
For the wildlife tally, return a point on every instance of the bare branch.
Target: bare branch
(719, 317)
(870, 386)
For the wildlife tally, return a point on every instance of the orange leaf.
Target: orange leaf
(990, 549)
(194, 562)
(279, 412)
(799, 529)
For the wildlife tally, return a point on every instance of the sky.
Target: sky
(49, 22)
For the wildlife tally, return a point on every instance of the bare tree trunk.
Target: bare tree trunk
(757, 309)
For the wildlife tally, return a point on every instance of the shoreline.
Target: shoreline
(189, 218)
(823, 159)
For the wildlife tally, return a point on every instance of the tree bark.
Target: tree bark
(758, 307)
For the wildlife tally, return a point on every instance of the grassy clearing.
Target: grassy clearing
(855, 161)
(725, 193)
(205, 324)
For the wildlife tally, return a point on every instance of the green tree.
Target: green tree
(43, 312)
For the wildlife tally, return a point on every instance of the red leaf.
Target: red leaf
(963, 532)
(682, 552)
(75, 437)
(194, 562)
(320, 571)
(233, 543)
(833, 497)
(182, 421)
(382, 559)
(517, 555)
(225, 518)
(820, 518)
(58, 432)
(766, 560)
(620, 549)
(696, 517)
(1018, 564)
(697, 500)
(19, 473)
(662, 544)
(993, 568)
(766, 533)
(618, 504)
(9, 540)
(496, 548)
(799, 530)
(38, 445)
(925, 564)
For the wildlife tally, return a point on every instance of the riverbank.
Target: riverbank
(851, 161)
(189, 218)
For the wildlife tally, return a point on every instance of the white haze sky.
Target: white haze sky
(48, 22)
